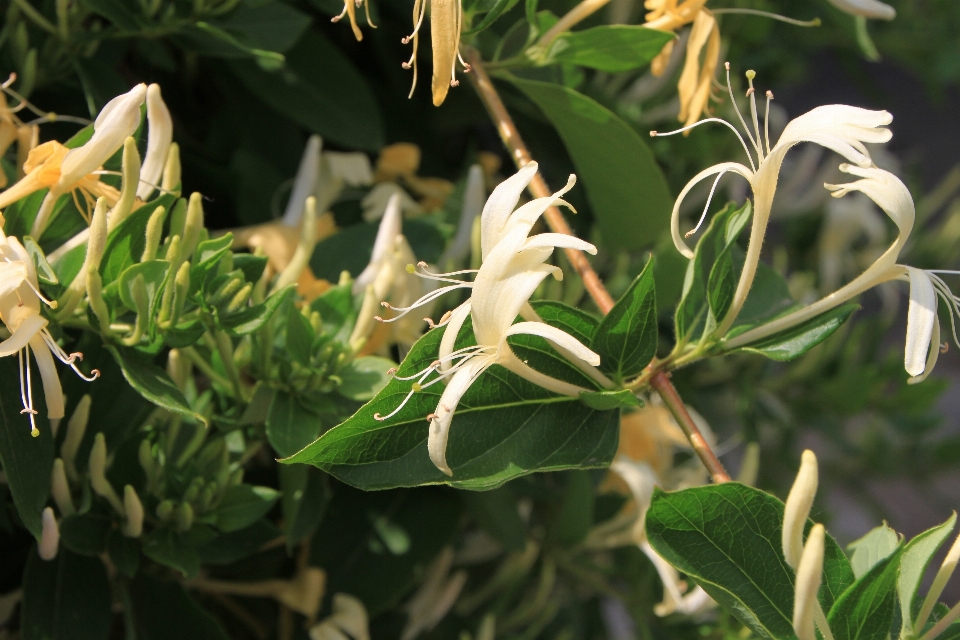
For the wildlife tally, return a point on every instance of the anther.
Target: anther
(422, 264)
(385, 304)
(335, 19)
(95, 373)
(416, 386)
(430, 323)
(405, 40)
(31, 411)
(726, 65)
(391, 371)
(432, 416)
(378, 318)
(749, 92)
(751, 74)
(76, 355)
(467, 68)
(405, 65)
(410, 268)
(770, 94)
(454, 83)
(944, 347)
(378, 417)
(653, 134)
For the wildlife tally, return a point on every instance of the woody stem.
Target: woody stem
(659, 381)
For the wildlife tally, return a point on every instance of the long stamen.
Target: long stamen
(29, 408)
(23, 378)
(69, 360)
(430, 297)
(658, 134)
(413, 389)
(436, 363)
(50, 303)
(766, 120)
(736, 108)
(752, 93)
(709, 200)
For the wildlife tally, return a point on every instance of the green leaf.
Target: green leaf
(166, 546)
(728, 539)
(118, 12)
(85, 534)
(228, 548)
(153, 383)
(290, 425)
(498, 9)
(337, 313)
(124, 553)
(496, 511)
(320, 89)
(253, 318)
(876, 545)
(627, 191)
(163, 610)
(126, 243)
(608, 400)
(504, 426)
(865, 610)
(243, 505)
(392, 535)
(626, 339)
(573, 519)
(45, 272)
(152, 272)
(916, 557)
(305, 496)
(67, 598)
(611, 48)
(27, 461)
(273, 26)
(796, 341)
(364, 377)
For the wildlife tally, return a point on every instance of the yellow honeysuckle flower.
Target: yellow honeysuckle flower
(350, 10)
(13, 129)
(445, 22)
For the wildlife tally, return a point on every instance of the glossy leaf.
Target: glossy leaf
(626, 339)
(243, 505)
(796, 341)
(865, 610)
(628, 194)
(728, 538)
(917, 556)
(67, 598)
(153, 383)
(504, 426)
(611, 48)
(290, 425)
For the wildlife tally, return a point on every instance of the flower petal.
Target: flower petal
(440, 423)
(558, 336)
(560, 241)
(501, 204)
(159, 137)
(921, 317)
(391, 226)
(451, 331)
(52, 391)
(305, 182)
(29, 328)
(866, 8)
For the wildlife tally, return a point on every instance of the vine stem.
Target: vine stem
(659, 380)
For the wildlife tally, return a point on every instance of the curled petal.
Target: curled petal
(921, 321)
(557, 336)
(678, 241)
(798, 506)
(560, 241)
(501, 204)
(441, 420)
(159, 138)
(873, 9)
(450, 333)
(29, 328)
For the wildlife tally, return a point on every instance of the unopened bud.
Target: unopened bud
(184, 517)
(207, 496)
(180, 291)
(939, 582)
(488, 628)
(49, 537)
(178, 368)
(97, 303)
(171, 170)
(809, 576)
(97, 241)
(239, 300)
(165, 510)
(226, 290)
(98, 478)
(178, 218)
(798, 508)
(154, 232)
(130, 169)
(133, 527)
(60, 489)
(308, 240)
(192, 225)
(76, 427)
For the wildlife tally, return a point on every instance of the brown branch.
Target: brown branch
(539, 189)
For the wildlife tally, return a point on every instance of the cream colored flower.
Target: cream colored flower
(350, 10)
(866, 8)
(159, 138)
(348, 621)
(809, 576)
(435, 597)
(445, 24)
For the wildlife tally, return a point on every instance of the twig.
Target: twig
(538, 187)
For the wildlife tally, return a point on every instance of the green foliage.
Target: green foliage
(626, 338)
(612, 48)
(68, 597)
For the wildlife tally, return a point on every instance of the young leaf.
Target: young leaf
(243, 505)
(611, 48)
(626, 189)
(865, 610)
(67, 598)
(167, 547)
(796, 341)
(876, 545)
(126, 242)
(290, 425)
(153, 383)
(504, 426)
(916, 557)
(728, 539)
(498, 9)
(252, 318)
(45, 272)
(626, 339)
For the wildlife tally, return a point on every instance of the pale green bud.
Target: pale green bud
(60, 489)
(133, 527)
(76, 427)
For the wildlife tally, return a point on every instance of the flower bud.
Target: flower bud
(301, 257)
(939, 582)
(133, 527)
(171, 170)
(809, 575)
(49, 537)
(165, 510)
(98, 478)
(178, 368)
(60, 489)
(226, 290)
(97, 303)
(184, 517)
(488, 628)
(239, 300)
(192, 225)
(181, 289)
(131, 178)
(798, 508)
(154, 231)
(76, 427)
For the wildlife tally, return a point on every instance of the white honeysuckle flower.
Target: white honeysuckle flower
(49, 542)
(866, 8)
(374, 204)
(20, 299)
(513, 267)
(806, 607)
(159, 137)
(797, 508)
(841, 128)
(324, 174)
(435, 596)
(926, 286)
(474, 195)
(348, 620)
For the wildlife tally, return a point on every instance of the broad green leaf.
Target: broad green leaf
(728, 539)
(252, 318)
(607, 400)
(153, 273)
(153, 383)
(243, 505)
(124, 553)
(305, 496)
(498, 9)
(166, 546)
(125, 244)
(67, 598)
(27, 461)
(273, 26)
(163, 610)
(496, 511)
(252, 266)
(865, 610)
(867, 551)
(392, 535)
(504, 426)
(364, 377)
(290, 425)
(572, 521)
(627, 192)
(320, 89)
(796, 341)
(626, 339)
(611, 48)
(917, 555)
(337, 312)
(85, 534)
